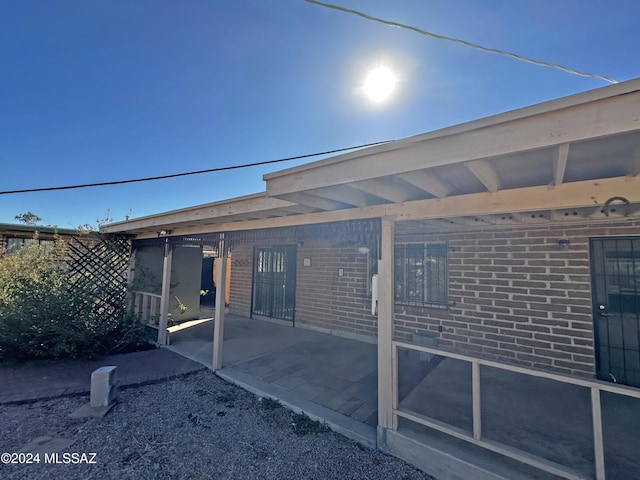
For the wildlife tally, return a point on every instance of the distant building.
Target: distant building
(14, 236)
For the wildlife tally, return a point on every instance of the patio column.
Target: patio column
(166, 287)
(131, 272)
(385, 325)
(218, 323)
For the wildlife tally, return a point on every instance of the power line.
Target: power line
(184, 174)
(463, 42)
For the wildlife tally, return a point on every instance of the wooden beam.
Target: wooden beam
(386, 189)
(530, 199)
(485, 173)
(586, 121)
(588, 193)
(345, 194)
(416, 226)
(560, 163)
(506, 219)
(532, 217)
(315, 201)
(427, 182)
(242, 205)
(296, 209)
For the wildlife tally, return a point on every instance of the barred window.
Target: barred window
(421, 274)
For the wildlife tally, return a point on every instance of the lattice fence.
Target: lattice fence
(99, 265)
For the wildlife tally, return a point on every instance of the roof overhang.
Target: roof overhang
(566, 157)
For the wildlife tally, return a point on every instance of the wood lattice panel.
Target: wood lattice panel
(100, 268)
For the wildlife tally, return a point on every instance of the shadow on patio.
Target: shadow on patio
(334, 379)
(540, 416)
(328, 377)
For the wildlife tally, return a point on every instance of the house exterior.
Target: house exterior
(15, 236)
(511, 241)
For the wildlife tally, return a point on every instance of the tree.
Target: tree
(89, 228)
(28, 218)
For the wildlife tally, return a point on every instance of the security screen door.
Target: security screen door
(615, 279)
(274, 282)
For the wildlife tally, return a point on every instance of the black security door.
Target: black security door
(615, 278)
(274, 282)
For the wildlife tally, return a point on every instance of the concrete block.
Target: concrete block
(103, 386)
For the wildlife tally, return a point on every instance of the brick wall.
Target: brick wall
(517, 296)
(324, 300)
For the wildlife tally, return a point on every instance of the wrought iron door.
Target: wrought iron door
(274, 282)
(615, 278)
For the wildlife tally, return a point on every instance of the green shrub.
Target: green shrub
(45, 314)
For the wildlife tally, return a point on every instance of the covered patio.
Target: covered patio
(504, 253)
(330, 378)
(334, 380)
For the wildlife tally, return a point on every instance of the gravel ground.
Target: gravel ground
(193, 427)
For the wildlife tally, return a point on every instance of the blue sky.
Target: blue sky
(95, 91)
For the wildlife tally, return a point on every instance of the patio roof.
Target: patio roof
(571, 158)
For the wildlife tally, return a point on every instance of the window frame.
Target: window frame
(12, 244)
(421, 274)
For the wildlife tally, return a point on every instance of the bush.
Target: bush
(45, 314)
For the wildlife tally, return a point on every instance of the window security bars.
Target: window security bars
(421, 274)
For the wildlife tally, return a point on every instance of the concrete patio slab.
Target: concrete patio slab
(334, 379)
(331, 371)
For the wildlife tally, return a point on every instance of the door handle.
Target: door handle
(605, 314)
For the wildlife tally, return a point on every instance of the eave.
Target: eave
(574, 153)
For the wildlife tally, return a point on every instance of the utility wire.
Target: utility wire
(184, 174)
(463, 42)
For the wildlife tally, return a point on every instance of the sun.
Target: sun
(379, 84)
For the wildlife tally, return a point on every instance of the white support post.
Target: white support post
(598, 446)
(385, 326)
(477, 404)
(131, 274)
(218, 323)
(166, 286)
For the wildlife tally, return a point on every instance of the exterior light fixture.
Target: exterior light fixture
(563, 244)
(164, 233)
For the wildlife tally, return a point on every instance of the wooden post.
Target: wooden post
(166, 286)
(218, 323)
(131, 273)
(476, 400)
(385, 325)
(598, 446)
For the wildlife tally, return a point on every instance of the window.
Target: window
(15, 244)
(421, 274)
